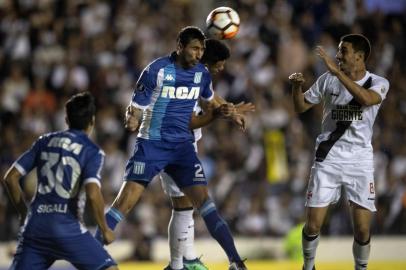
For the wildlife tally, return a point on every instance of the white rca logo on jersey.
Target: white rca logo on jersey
(181, 92)
(198, 77)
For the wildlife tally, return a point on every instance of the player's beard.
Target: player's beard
(193, 62)
(190, 62)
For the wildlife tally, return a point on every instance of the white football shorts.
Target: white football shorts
(327, 180)
(169, 186)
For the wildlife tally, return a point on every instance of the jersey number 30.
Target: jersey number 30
(53, 170)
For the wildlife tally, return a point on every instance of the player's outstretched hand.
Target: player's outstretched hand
(243, 107)
(108, 236)
(130, 122)
(296, 78)
(328, 61)
(227, 109)
(239, 120)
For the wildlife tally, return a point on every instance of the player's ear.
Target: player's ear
(179, 47)
(67, 120)
(91, 125)
(93, 121)
(359, 56)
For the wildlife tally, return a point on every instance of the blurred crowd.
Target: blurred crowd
(51, 49)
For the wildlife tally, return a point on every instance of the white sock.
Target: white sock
(309, 246)
(190, 253)
(361, 254)
(177, 235)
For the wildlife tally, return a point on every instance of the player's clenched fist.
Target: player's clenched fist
(108, 236)
(131, 121)
(296, 78)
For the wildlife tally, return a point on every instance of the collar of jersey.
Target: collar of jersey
(77, 132)
(363, 78)
(172, 56)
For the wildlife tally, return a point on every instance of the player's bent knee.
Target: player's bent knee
(198, 195)
(362, 233)
(181, 203)
(312, 228)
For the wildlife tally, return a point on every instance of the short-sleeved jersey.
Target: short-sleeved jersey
(343, 118)
(65, 161)
(168, 93)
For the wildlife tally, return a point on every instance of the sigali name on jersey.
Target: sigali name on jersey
(52, 208)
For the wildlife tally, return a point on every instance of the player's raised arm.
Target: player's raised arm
(96, 202)
(240, 108)
(141, 97)
(365, 97)
(299, 101)
(12, 186)
(227, 109)
(220, 108)
(198, 121)
(209, 115)
(243, 108)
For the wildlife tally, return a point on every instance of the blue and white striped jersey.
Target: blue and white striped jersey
(65, 161)
(168, 93)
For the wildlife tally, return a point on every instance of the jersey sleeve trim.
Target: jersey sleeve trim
(138, 106)
(309, 101)
(209, 98)
(381, 88)
(92, 180)
(19, 168)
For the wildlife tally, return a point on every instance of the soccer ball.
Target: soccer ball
(223, 23)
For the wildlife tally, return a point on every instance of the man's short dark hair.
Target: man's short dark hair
(215, 51)
(359, 43)
(80, 110)
(189, 33)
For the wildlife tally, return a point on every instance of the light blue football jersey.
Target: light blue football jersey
(64, 162)
(168, 93)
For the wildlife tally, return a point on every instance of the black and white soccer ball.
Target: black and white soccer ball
(223, 23)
